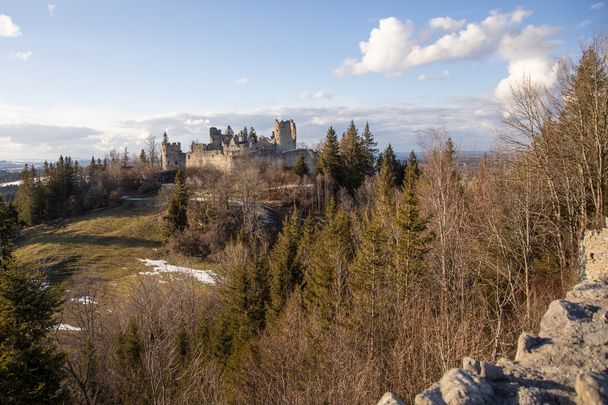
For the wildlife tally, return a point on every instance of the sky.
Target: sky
(81, 77)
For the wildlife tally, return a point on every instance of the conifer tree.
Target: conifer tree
(143, 159)
(300, 167)
(369, 284)
(286, 271)
(30, 199)
(325, 292)
(31, 368)
(395, 167)
(176, 218)
(354, 159)
(124, 161)
(244, 298)
(413, 167)
(7, 232)
(412, 241)
(370, 149)
(329, 161)
(385, 193)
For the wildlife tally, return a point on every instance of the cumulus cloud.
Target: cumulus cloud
(241, 80)
(20, 55)
(596, 6)
(52, 8)
(395, 46)
(446, 24)
(7, 27)
(315, 95)
(443, 75)
(384, 51)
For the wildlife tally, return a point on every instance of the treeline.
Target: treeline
(65, 188)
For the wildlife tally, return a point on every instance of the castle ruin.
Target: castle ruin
(224, 149)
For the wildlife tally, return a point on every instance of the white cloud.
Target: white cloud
(385, 49)
(52, 8)
(315, 95)
(538, 70)
(241, 80)
(446, 24)
(443, 75)
(395, 46)
(7, 27)
(596, 6)
(24, 56)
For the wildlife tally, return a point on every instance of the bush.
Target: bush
(189, 243)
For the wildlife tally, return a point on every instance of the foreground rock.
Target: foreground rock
(566, 363)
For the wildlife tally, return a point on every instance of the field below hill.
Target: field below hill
(104, 248)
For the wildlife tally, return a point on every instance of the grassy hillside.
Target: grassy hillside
(102, 246)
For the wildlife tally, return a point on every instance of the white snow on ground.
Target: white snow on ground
(84, 300)
(161, 266)
(65, 326)
(11, 183)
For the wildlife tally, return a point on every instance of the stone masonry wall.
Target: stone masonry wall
(566, 363)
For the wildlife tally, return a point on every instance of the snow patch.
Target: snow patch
(65, 326)
(84, 300)
(161, 266)
(11, 183)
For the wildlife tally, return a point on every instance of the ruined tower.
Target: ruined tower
(172, 156)
(284, 135)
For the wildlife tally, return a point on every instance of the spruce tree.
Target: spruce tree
(393, 163)
(325, 292)
(412, 237)
(7, 232)
(300, 167)
(31, 367)
(413, 167)
(30, 198)
(244, 298)
(143, 159)
(176, 218)
(329, 161)
(285, 268)
(354, 159)
(370, 149)
(124, 161)
(369, 284)
(385, 192)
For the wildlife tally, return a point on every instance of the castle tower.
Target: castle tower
(285, 135)
(171, 156)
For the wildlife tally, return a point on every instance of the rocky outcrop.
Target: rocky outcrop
(566, 363)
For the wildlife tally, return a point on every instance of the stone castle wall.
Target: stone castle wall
(222, 150)
(211, 158)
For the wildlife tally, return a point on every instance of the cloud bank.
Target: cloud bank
(396, 124)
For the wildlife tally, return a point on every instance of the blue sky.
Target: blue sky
(81, 77)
